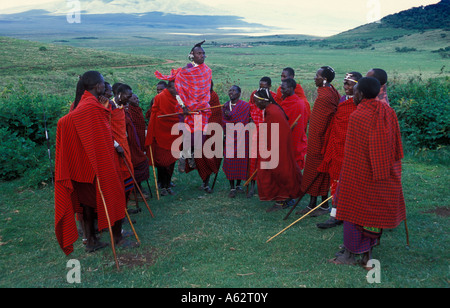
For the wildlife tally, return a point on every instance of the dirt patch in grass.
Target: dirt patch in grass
(440, 211)
(140, 258)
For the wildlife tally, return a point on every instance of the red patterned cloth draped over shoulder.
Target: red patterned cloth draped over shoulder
(323, 111)
(84, 153)
(193, 85)
(333, 149)
(370, 191)
(294, 106)
(282, 181)
(159, 135)
(207, 166)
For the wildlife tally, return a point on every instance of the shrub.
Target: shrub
(423, 111)
(23, 142)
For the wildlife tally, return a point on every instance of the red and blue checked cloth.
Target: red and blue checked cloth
(193, 84)
(370, 189)
(236, 168)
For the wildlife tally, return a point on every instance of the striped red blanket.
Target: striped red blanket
(323, 111)
(85, 152)
(370, 190)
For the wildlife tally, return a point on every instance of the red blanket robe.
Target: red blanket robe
(293, 106)
(193, 84)
(323, 111)
(257, 116)
(333, 149)
(118, 128)
(284, 181)
(137, 116)
(84, 153)
(300, 93)
(370, 191)
(208, 166)
(159, 135)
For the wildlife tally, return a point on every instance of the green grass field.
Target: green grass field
(210, 241)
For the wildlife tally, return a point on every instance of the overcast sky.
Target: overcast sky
(322, 17)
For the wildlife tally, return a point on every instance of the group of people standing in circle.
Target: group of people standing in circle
(348, 146)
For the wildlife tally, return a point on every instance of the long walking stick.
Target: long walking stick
(190, 112)
(132, 226)
(301, 196)
(109, 224)
(154, 172)
(135, 182)
(298, 219)
(256, 171)
(407, 233)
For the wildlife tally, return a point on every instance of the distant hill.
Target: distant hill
(435, 16)
(419, 28)
(44, 23)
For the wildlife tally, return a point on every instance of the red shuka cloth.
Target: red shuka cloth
(85, 153)
(159, 129)
(300, 93)
(193, 85)
(284, 181)
(294, 106)
(323, 111)
(370, 191)
(208, 166)
(257, 116)
(118, 128)
(333, 149)
(137, 116)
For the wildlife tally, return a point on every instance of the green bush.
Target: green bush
(23, 142)
(423, 111)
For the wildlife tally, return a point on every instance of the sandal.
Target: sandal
(96, 246)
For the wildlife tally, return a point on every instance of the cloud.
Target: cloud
(323, 18)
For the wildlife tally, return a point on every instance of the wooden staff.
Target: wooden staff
(154, 172)
(176, 114)
(298, 219)
(132, 226)
(109, 224)
(190, 112)
(407, 233)
(136, 184)
(301, 196)
(256, 171)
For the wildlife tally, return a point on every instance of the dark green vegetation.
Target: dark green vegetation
(200, 240)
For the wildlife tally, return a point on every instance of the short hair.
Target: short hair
(237, 87)
(123, 88)
(369, 87)
(290, 71)
(328, 72)
(290, 83)
(115, 87)
(381, 75)
(354, 75)
(162, 83)
(267, 79)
